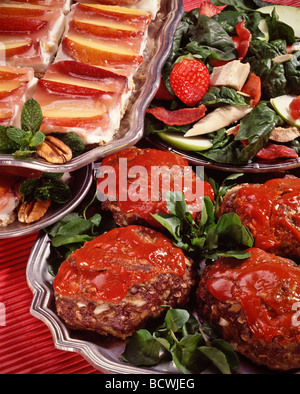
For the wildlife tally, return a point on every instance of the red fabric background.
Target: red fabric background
(26, 344)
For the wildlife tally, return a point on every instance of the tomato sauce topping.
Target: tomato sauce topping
(268, 290)
(142, 193)
(271, 211)
(107, 267)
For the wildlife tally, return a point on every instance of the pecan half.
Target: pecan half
(33, 210)
(54, 151)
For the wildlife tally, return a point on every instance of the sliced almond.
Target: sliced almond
(282, 58)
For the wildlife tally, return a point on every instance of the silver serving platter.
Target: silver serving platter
(80, 184)
(103, 353)
(147, 81)
(255, 167)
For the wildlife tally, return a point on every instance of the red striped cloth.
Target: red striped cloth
(26, 344)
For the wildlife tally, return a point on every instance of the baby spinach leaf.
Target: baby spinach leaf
(292, 72)
(258, 125)
(217, 96)
(209, 39)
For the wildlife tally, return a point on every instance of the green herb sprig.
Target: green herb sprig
(182, 339)
(211, 237)
(48, 187)
(22, 142)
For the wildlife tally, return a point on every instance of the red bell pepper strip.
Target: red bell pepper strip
(242, 41)
(178, 117)
(273, 152)
(253, 88)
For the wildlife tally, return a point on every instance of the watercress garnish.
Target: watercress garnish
(191, 346)
(211, 237)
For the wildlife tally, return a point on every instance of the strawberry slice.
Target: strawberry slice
(179, 117)
(209, 9)
(189, 80)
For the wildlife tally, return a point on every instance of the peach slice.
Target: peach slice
(20, 25)
(106, 29)
(7, 87)
(22, 74)
(86, 71)
(5, 116)
(117, 13)
(116, 2)
(85, 76)
(28, 10)
(71, 113)
(16, 48)
(77, 88)
(98, 53)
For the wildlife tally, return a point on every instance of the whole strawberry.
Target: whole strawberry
(189, 80)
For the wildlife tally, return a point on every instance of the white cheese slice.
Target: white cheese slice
(219, 118)
(233, 74)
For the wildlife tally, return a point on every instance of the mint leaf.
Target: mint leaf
(6, 144)
(31, 116)
(17, 135)
(22, 154)
(37, 139)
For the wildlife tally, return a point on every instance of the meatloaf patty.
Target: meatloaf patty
(272, 213)
(117, 282)
(255, 305)
(143, 176)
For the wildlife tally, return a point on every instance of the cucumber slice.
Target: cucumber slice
(287, 14)
(281, 105)
(188, 144)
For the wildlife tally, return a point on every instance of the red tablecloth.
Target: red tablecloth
(26, 344)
